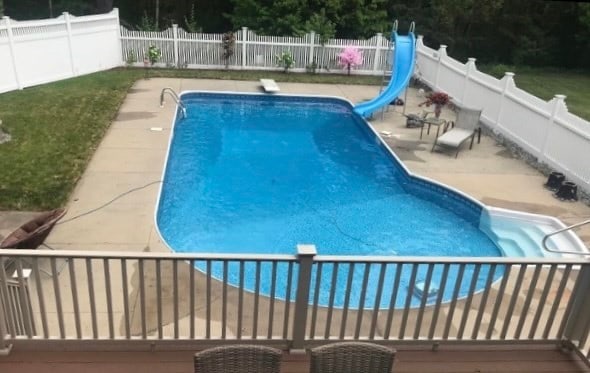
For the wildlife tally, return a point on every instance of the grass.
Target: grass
(546, 82)
(56, 128)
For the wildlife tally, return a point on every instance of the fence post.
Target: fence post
(115, 12)
(311, 45)
(508, 80)
(305, 254)
(578, 319)
(244, 41)
(70, 44)
(441, 51)
(175, 43)
(558, 102)
(378, 38)
(470, 66)
(12, 53)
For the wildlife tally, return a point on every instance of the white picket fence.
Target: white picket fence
(42, 51)
(251, 51)
(544, 129)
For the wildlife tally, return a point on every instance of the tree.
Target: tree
(350, 57)
(1, 8)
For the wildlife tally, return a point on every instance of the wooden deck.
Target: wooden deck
(522, 359)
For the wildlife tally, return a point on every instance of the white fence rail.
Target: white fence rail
(295, 301)
(252, 51)
(42, 51)
(545, 129)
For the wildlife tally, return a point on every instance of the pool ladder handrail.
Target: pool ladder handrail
(172, 93)
(546, 237)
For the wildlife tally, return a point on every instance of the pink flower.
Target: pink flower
(350, 57)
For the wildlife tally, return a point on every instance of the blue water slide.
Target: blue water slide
(403, 66)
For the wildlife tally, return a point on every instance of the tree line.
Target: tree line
(521, 32)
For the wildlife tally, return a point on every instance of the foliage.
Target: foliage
(191, 22)
(324, 28)
(131, 58)
(350, 57)
(285, 60)
(436, 98)
(154, 54)
(147, 23)
(228, 44)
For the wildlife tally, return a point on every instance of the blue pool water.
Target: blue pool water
(261, 174)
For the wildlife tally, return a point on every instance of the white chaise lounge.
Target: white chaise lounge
(269, 85)
(465, 127)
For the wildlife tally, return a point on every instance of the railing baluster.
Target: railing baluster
(377, 305)
(271, 308)
(456, 292)
(224, 301)
(408, 303)
(498, 301)
(427, 284)
(527, 302)
(58, 303)
(467, 306)
(256, 301)
(175, 297)
(346, 299)
(92, 297)
(109, 295)
(286, 320)
(439, 299)
(125, 280)
(141, 263)
(40, 296)
(542, 301)
(192, 299)
(159, 297)
(359, 318)
(241, 300)
(556, 302)
(25, 304)
(333, 283)
(513, 298)
(75, 302)
(316, 298)
(484, 301)
(398, 273)
(208, 302)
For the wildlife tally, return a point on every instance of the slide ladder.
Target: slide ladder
(404, 54)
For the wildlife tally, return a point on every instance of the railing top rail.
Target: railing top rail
(142, 255)
(287, 257)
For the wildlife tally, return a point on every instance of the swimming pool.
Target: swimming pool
(261, 174)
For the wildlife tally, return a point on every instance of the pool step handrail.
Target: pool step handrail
(176, 98)
(548, 235)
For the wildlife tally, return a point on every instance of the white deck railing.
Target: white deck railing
(103, 299)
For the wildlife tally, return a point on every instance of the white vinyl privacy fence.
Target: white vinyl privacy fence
(544, 129)
(42, 51)
(251, 51)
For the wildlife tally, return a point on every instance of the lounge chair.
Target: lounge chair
(269, 85)
(352, 357)
(238, 359)
(32, 234)
(462, 129)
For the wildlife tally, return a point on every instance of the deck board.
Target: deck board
(450, 359)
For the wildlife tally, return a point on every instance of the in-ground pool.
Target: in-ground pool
(261, 174)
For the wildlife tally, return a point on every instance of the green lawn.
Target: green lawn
(546, 82)
(56, 128)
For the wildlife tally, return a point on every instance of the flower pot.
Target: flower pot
(437, 110)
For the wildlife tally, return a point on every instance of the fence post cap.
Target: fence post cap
(509, 74)
(560, 97)
(471, 59)
(306, 250)
(443, 46)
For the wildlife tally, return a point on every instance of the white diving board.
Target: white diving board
(269, 85)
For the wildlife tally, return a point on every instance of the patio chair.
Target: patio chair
(238, 359)
(462, 129)
(352, 357)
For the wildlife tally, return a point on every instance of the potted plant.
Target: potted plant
(228, 43)
(438, 99)
(285, 60)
